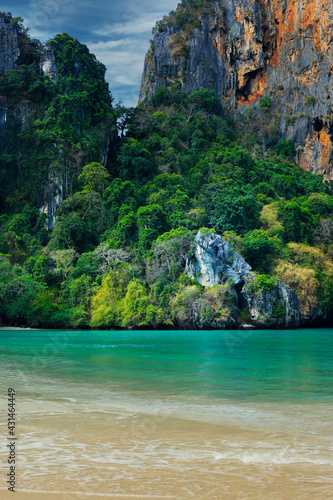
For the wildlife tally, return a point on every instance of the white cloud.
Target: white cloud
(142, 25)
(124, 59)
(117, 32)
(38, 32)
(105, 46)
(132, 28)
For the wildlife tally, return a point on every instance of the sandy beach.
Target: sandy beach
(117, 455)
(129, 415)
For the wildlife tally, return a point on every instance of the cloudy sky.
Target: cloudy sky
(117, 32)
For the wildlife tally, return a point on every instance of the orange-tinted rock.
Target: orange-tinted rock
(248, 49)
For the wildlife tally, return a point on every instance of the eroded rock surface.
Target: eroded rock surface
(246, 49)
(9, 45)
(48, 63)
(215, 261)
(274, 308)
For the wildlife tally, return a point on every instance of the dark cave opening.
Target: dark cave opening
(318, 124)
(245, 91)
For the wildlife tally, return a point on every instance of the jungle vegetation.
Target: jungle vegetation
(116, 255)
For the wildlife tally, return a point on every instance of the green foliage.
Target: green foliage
(94, 177)
(28, 222)
(207, 99)
(80, 221)
(125, 231)
(259, 249)
(138, 309)
(134, 162)
(298, 222)
(279, 311)
(117, 194)
(106, 302)
(285, 148)
(83, 81)
(309, 100)
(265, 103)
(49, 311)
(151, 223)
(169, 254)
(87, 264)
(232, 211)
(187, 16)
(168, 95)
(54, 127)
(265, 282)
(18, 289)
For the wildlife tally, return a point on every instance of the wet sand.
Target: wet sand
(115, 454)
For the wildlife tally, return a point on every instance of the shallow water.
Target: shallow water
(171, 414)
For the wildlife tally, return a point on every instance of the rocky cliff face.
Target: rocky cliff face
(275, 308)
(9, 54)
(9, 45)
(48, 63)
(216, 263)
(246, 49)
(57, 160)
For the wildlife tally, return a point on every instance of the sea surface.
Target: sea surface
(170, 414)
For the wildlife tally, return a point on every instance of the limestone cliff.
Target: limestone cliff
(38, 100)
(9, 44)
(246, 49)
(9, 54)
(48, 63)
(275, 308)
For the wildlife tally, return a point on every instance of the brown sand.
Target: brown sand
(83, 457)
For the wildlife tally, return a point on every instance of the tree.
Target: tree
(151, 222)
(119, 193)
(134, 162)
(259, 249)
(135, 304)
(170, 252)
(106, 302)
(234, 212)
(206, 98)
(299, 224)
(94, 177)
(81, 219)
(123, 116)
(17, 290)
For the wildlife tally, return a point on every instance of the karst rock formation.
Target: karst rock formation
(248, 49)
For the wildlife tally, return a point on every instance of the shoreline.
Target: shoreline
(19, 328)
(243, 329)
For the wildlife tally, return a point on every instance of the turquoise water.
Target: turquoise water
(251, 366)
(171, 398)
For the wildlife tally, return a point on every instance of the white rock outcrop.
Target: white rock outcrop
(215, 262)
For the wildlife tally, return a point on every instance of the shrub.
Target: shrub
(310, 100)
(265, 103)
(265, 282)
